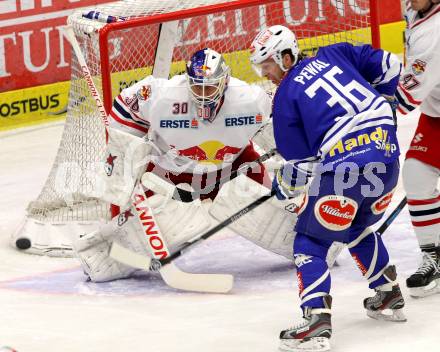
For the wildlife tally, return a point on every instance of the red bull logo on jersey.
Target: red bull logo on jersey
(418, 67)
(214, 152)
(144, 93)
(335, 213)
(204, 71)
(243, 120)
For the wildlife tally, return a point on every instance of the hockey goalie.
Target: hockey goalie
(192, 130)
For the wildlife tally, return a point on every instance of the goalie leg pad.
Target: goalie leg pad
(99, 266)
(270, 225)
(126, 158)
(179, 222)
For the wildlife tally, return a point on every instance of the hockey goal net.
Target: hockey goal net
(147, 37)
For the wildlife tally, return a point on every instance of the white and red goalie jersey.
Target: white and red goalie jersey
(186, 143)
(420, 82)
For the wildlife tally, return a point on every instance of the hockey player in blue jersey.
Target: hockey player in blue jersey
(334, 127)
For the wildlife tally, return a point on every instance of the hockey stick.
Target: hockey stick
(159, 185)
(175, 277)
(391, 217)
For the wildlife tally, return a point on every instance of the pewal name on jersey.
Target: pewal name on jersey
(243, 120)
(311, 70)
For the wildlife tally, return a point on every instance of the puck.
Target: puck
(23, 243)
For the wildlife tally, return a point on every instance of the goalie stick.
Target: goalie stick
(177, 278)
(159, 185)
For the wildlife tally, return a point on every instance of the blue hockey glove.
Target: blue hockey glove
(289, 182)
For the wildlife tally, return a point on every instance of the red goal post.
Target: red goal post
(157, 37)
(355, 22)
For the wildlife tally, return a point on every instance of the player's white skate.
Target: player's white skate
(312, 334)
(388, 302)
(426, 280)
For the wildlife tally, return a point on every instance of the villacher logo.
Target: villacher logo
(335, 213)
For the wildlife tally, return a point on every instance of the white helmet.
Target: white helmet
(270, 43)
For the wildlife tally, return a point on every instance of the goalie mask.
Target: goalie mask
(271, 43)
(207, 76)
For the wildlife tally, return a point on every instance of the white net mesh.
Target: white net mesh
(71, 192)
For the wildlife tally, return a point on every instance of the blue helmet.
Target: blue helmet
(207, 76)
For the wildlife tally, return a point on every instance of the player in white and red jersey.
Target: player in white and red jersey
(199, 127)
(195, 133)
(420, 86)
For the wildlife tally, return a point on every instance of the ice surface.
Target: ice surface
(46, 305)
